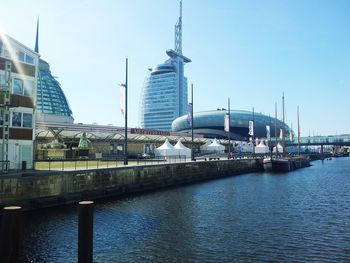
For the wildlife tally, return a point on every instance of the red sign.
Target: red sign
(149, 132)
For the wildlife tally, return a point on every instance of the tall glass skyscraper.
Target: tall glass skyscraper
(164, 93)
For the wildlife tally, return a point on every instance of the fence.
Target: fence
(93, 163)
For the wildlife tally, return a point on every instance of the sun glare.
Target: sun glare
(12, 52)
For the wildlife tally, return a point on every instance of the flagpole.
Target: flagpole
(283, 129)
(270, 148)
(276, 139)
(192, 152)
(253, 135)
(228, 133)
(298, 132)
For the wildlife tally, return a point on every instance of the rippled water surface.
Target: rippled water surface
(302, 216)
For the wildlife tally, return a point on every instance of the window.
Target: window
(1, 121)
(29, 59)
(28, 87)
(2, 80)
(17, 119)
(27, 120)
(18, 86)
(24, 120)
(20, 55)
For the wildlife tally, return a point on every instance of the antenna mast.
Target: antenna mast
(36, 49)
(178, 32)
(283, 129)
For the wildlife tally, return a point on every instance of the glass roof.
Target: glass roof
(50, 97)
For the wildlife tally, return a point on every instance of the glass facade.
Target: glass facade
(51, 100)
(164, 95)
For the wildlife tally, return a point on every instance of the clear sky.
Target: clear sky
(248, 50)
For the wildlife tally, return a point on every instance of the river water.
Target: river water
(301, 216)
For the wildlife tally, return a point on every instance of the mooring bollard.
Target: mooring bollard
(85, 232)
(10, 234)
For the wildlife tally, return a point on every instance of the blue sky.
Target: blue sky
(248, 50)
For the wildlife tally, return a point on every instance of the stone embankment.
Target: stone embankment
(39, 189)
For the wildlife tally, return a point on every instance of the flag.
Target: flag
(291, 135)
(122, 99)
(189, 114)
(268, 131)
(281, 133)
(251, 128)
(227, 123)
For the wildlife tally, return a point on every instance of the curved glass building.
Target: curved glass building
(211, 124)
(164, 93)
(52, 105)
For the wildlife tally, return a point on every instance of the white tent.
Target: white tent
(245, 147)
(280, 148)
(182, 150)
(204, 147)
(261, 148)
(165, 150)
(216, 147)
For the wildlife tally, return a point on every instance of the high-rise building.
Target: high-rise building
(18, 80)
(164, 93)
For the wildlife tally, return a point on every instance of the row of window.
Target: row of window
(20, 55)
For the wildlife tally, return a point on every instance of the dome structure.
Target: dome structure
(52, 105)
(211, 124)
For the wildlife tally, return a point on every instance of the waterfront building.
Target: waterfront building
(164, 93)
(52, 104)
(18, 81)
(211, 124)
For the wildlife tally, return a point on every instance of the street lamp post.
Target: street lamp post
(125, 85)
(192, 150)
(126, 114)
(229, 126)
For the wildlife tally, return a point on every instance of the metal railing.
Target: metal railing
(93, 163)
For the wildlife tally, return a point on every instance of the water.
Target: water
(303, 216)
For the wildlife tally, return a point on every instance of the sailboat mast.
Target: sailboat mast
(298, 132)
(276, 138)
(229, 124)
(283, 130)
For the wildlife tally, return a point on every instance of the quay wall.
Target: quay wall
(39, 189)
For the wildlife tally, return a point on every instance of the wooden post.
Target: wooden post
(10, 234)
(85, 232)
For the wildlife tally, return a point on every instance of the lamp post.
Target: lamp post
(228, 132)
(126, 113)
(192, 150)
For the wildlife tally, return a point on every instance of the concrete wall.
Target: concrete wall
(42, 189)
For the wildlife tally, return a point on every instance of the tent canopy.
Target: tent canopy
(182, 150)
(215, 147)
(165, 150)
(261, 148)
